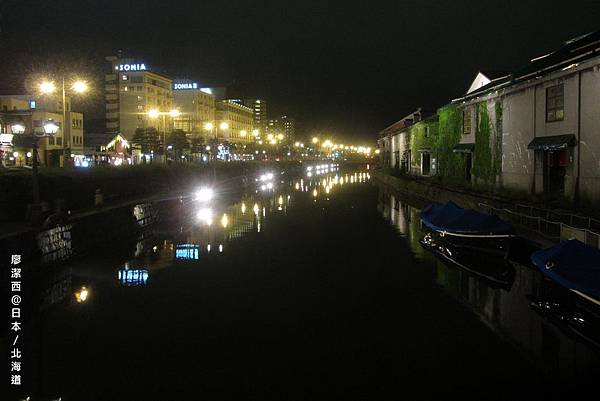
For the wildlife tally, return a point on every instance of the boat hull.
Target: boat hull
(491, 266)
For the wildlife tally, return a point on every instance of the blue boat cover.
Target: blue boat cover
(573, 265)
(452, 218)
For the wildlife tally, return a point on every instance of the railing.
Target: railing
(540, 220)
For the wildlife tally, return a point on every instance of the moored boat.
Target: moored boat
(574, 265)
(494, 270)
(467, 228)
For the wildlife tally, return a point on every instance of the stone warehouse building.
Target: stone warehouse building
(535, 130)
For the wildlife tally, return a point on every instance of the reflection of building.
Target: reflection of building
(239, 119)
(32, 111)
(196, 105)
(132, 277)
(508, 313)
(132, 89)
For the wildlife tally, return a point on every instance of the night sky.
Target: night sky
(342, 68)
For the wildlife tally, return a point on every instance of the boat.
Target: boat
(467, 228)
(565, 310)
(495, 271)
(574, 265)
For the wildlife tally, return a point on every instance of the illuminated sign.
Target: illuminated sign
(185, 86)
(206, 90)
(131, 67)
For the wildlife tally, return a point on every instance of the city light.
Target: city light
(315, 140)
(47, 87)
(204, 195)
(50, 127)
(243, 133)
(174, 113)
(224, 221)
(255, 132)
(223, 125)
(82, 295)
(205, 215)
(80, 86)
(153, 113)
(208, 127)
(17, 128)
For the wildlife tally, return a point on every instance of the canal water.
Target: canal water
(314, 289)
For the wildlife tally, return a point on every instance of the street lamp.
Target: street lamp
(209, 126)
(79, 87)
(50, 128)
(154, 114)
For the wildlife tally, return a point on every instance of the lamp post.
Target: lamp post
(210, 127)
(79, 87)
(154, 114)
(50, 128)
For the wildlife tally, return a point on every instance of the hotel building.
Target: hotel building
(195, 104)
(259, 107)
(132, 89)
(239, 119)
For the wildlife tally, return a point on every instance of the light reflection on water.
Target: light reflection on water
(211, 229)
(508, 311)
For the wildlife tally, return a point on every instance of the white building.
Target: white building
(550, 124)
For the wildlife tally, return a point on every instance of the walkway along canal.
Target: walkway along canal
(313, 288)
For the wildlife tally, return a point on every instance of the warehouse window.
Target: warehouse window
(555, 109)
(466, 121)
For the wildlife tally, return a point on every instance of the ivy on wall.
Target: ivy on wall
(483, 167)
(487, 163)
(450, 165)
(497, 161)
(418, 140)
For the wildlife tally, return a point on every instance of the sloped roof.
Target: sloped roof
(572, 52)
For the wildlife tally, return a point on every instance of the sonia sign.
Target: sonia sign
(131, 67)
(185, 85)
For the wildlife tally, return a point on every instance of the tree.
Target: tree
(178, 142)
(146, 139)
(197, 145)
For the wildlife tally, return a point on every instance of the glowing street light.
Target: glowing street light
(208, 126)
(224, 126)
(50, 128)
(255, 133)
(243, 133)
(80, 86)
(47, 87)
(174, 113)
(82, 295)
(18, 128)
(315, 140)
(153, 113)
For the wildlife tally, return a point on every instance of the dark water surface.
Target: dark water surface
(315, 291)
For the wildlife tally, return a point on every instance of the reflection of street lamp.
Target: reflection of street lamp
(50, 128)
(48, 87)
